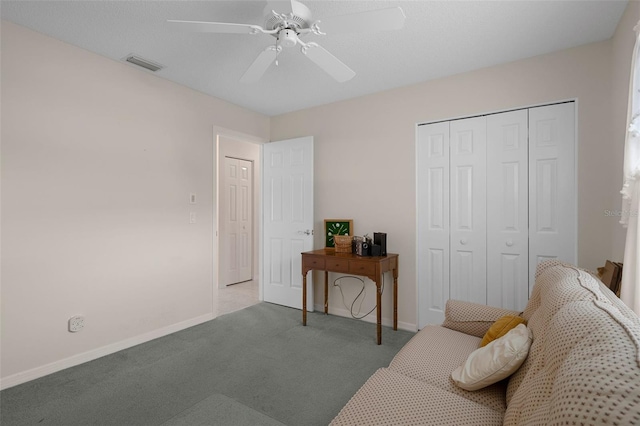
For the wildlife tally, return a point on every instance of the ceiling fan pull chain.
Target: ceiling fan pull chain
(277, 51)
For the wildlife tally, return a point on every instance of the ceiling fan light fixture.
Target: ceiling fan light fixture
(144, 63)
(287, 38)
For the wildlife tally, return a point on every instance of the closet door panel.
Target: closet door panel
(552, 185)
(468, 210)
(433, 221)
(507, 210)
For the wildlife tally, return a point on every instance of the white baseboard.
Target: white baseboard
(35, 373)
(387, 322)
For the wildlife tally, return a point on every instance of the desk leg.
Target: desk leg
(326, 292)
(395, 298)
(304, 299)
(379, 310)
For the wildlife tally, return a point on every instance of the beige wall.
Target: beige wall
(365, 151)
(98, 161)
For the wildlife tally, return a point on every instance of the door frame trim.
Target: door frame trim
(498, 111)
(249, 143)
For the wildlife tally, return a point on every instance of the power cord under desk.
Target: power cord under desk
(362, 292)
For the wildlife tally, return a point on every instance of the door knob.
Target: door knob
(305, 232)
(463, 242)
(509, 243)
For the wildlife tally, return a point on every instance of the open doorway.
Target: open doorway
(235, 221)
(237, 224)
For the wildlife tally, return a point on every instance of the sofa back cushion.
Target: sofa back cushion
(584, 363)
(556, 284)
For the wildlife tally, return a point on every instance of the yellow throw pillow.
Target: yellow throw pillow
(501, 327)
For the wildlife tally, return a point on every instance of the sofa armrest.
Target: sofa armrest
(472, 318)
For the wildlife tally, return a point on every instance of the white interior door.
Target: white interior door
(287, 220)
(507, 210)
(236, 220)
(468, 236)
(552, 185)
(432, 153)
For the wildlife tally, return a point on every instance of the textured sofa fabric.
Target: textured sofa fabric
(583, 367)
(434, 353)
(390, 398)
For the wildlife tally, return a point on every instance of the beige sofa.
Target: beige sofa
(583, 366)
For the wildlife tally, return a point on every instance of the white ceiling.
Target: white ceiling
(440, 38)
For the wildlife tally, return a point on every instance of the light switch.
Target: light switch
(192, 217)
(192, 198)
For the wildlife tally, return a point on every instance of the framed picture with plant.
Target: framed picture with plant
(336, 227)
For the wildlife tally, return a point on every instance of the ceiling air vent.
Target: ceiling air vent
(144, 63)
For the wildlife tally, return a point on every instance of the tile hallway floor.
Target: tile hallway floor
(236, 296)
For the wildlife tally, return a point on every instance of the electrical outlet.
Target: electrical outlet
(76, 323)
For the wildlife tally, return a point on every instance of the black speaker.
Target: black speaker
(362, 248)
(380, 239)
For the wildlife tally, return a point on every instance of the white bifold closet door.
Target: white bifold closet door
(496, 194)
(553, 219)
(432, 175)
(507, 210)
(468, 205)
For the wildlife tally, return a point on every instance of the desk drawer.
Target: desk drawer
(362, 267)
(313, 262)
(337, 265)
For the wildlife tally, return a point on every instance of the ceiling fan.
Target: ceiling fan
(289, 21)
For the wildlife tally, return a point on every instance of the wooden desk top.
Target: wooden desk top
(330, 251)
(327, 259)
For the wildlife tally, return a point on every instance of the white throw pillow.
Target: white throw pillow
(495, 361)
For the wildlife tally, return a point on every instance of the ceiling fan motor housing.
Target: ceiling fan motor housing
(299, 18)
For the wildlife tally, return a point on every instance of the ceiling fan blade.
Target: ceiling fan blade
(283, 7)
(370, 21)
(260, 65)
(215, 27)
(325, 60)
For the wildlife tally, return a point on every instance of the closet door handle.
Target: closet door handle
(463, 242)
(509, 243)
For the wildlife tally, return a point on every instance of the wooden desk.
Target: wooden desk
(372, 267)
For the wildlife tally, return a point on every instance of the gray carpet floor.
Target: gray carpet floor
(256, 366)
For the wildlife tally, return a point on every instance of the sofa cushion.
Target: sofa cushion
(556, 285)
(501, 327)
(586, 364)
(434, 352)
(472, 318)
(494, 362)
(390, 398)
